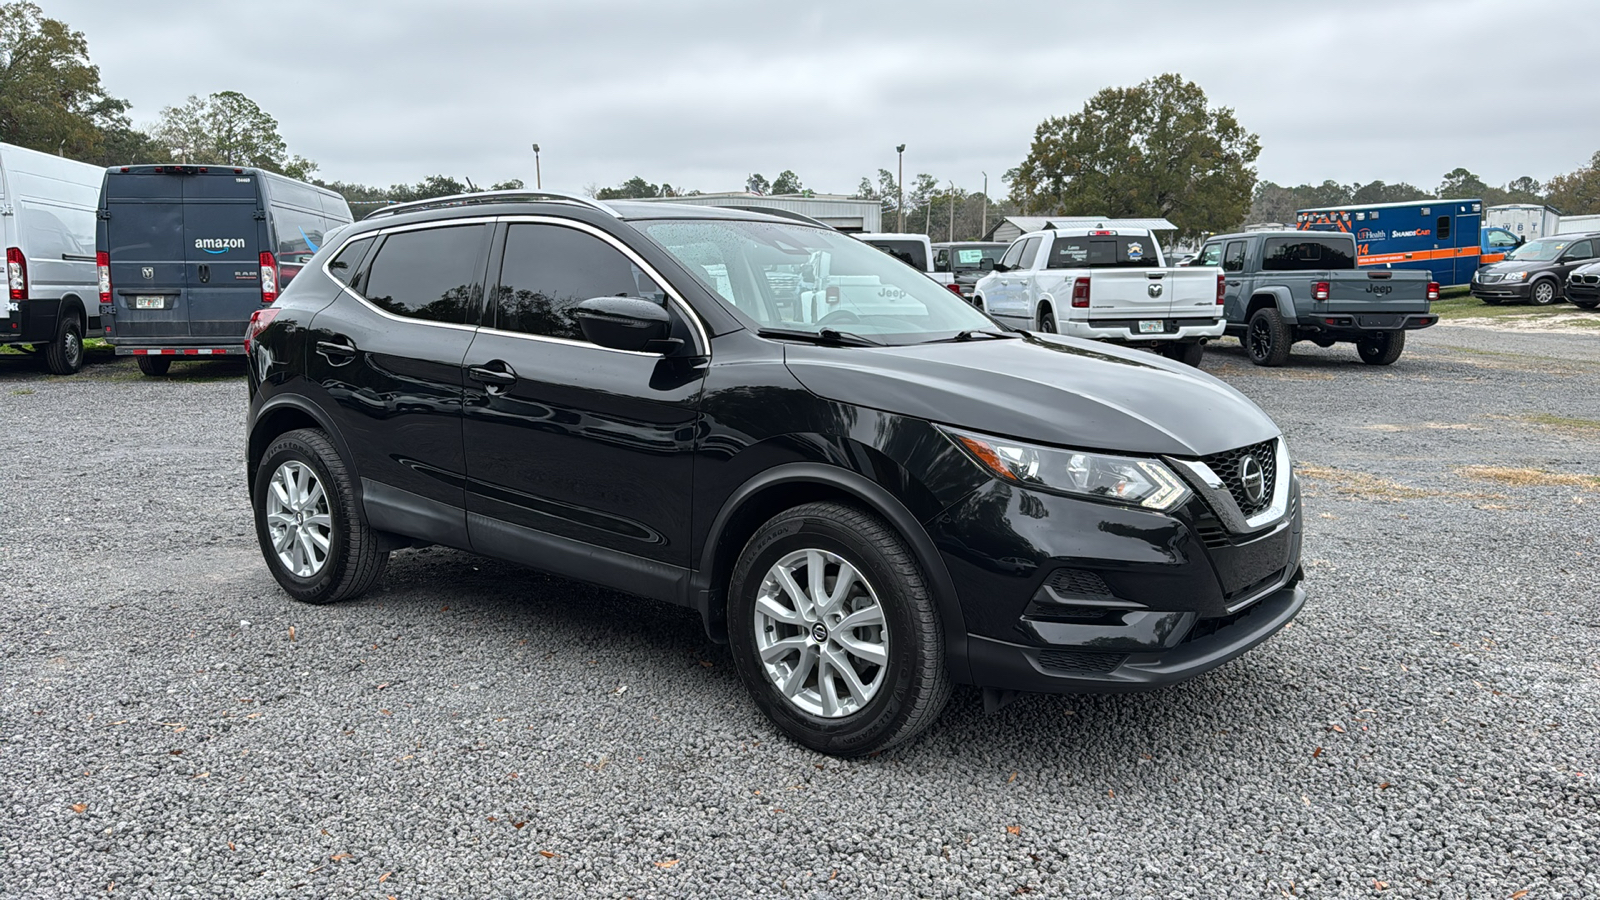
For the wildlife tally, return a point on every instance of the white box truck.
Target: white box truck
(1528, 221)
(47, 219)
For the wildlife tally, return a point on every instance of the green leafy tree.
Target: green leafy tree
(1526, 189)
(758, 184)
(228, 128)
(1577, 193)
(1383, 192)
(631, 189)
(50, 94)
(787, 182)
(1459, 183)
(1155, 149)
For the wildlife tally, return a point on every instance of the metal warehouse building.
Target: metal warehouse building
(844, 213)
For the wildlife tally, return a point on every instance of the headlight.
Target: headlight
(1514, 276)
(1121, 479)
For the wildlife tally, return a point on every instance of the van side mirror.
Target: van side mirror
(626, 323)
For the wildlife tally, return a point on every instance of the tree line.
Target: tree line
(1159, 148)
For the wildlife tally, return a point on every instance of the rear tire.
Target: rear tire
(1047, 322)
(64, 355)
(1190, 353)
(311, 529)
(1543, 293)
(154, 366)
(774, 635)
(1381, 348)
(1267, 338)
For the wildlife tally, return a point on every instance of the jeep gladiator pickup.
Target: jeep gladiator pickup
(1287, 286)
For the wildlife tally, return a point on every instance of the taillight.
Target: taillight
(269, 278)
(17, 273)
(102, 262)
(954, 289)
(1320, 291)
(831, 295)
(1080, 293)
(259, 320)
(1222, 288)
(1433, 290)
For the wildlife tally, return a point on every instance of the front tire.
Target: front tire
(1267, 338)
(64, 355)
(834, 631)
(1543, 293)
(309, 524)
(1381, 348)
(154, 366)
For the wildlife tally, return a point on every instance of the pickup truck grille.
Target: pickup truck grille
(1227, 463)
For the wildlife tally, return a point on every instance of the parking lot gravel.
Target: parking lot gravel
(172, 725)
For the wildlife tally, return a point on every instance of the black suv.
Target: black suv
(867, 487)
(1535, 272)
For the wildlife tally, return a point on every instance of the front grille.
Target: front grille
(1227, 464)
(1080, 661)
(1585, 279)
(1077, 582)
(1212, 535)
(1489, 278)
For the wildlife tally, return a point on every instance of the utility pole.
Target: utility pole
(985, 233)
(900, 187)
(538, 175)
(952, 211)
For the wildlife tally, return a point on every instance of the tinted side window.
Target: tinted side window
(1013, 253)
(347, 265)
(1309, 253)
(1233, 257)
(430, 274)
(548, 270)
(1581, 250)
(1029, 251)
(1210, 255)
(912, 253)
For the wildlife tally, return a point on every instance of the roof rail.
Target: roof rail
(481, 197)
(780, 213)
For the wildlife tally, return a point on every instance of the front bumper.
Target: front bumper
(1017, 667)
(1501, 290)
(1127, 330)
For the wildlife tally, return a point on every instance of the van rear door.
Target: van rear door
(224, 233)
(144, 239)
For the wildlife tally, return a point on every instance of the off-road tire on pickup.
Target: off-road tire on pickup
(354, 557)
(64, 355)
(1190, 353)
(1267, 337)
(1543, 293)
(1586, 304)
(154, 366)
(1381, 347)
(915, 684)
(1047, 322)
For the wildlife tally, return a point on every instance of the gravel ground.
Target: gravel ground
(174, 726)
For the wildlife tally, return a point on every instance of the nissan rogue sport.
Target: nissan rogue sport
(864, 485)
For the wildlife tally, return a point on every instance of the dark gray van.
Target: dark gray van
(187, 253)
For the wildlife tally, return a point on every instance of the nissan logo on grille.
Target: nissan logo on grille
(1254, 479)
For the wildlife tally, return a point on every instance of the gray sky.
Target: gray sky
(699, 94)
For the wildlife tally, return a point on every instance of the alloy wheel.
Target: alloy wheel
(298, 520)
(821, 633)
(1260, 338)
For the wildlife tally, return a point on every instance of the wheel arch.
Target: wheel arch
(786, 486)
(284, 414)
(1271, 296)
(1045, 304)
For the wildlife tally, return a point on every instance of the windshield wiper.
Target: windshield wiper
(972, 334)
(822, 336)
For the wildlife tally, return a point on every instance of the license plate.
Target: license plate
(1152, 326)
(149, 303)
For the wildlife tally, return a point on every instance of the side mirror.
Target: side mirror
(1001, 267)
(986, 265)
(625, 323)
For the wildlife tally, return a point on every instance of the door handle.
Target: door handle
(1233, 284)
(503, 376)
(337, 354)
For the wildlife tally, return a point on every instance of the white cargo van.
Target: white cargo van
(47, 210)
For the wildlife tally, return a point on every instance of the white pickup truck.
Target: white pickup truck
(1107, 284)
(915, 250)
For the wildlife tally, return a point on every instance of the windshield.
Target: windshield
(1538, 251)
(798, 278)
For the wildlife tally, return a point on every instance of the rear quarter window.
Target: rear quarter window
(432, 274)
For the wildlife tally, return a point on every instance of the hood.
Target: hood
(1046, 389)
(1513, 265)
